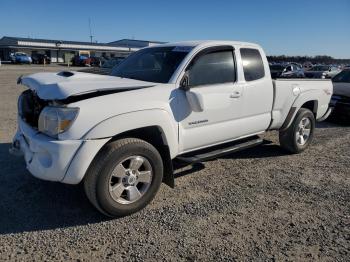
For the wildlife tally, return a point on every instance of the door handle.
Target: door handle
(235, 94)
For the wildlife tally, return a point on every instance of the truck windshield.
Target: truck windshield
(155, 64)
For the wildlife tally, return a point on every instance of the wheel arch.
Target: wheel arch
(312, 105)
(134, 122)
(153, 126)
(87, 154)
(306, 100)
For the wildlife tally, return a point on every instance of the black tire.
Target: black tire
(97, 179)
(288, 137)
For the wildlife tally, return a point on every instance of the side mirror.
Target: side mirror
(194, 99)
(184, 83)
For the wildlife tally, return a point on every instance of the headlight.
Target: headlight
(56, 120)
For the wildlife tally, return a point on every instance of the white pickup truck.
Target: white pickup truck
(185, 102)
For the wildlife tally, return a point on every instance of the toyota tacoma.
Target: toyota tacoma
(186, 102)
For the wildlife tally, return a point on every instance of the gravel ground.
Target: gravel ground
(259, 204)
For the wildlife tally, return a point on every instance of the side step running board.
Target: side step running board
(221, 150)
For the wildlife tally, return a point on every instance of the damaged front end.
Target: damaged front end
(30, 107)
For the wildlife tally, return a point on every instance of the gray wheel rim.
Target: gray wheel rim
(303, 131)
(130, 179)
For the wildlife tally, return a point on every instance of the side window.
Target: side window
(253, 65)
(213, 68)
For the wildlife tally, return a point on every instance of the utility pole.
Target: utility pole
(91, 36)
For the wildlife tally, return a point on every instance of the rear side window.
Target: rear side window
(253, 65)
(213, 68)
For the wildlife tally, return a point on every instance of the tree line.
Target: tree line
(320, 59)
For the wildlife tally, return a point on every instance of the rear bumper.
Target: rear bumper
(50, 159)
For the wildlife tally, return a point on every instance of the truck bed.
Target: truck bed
(288, 91)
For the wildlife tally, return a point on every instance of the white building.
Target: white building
(60, 50)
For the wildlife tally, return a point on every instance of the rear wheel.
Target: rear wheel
(299, 134)
(124, 177)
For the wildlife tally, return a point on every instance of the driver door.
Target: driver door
(212, 81)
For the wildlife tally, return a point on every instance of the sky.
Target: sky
(292, 27)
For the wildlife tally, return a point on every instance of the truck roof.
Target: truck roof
(196, 43)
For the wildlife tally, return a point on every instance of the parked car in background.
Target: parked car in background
(80, 60)
(286, 71)
(296, 64)
(105, 68)
(341, 96)
(84, 60)
(307, 65)
(41, 59)
(322, 71)
(332, 72)
(92, 61)
(20, 58)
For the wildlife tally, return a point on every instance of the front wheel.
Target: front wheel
(298, 136)
(124, 177)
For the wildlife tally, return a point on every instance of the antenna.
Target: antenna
(91, 36)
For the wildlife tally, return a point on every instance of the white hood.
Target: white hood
(342, 89)
(57, 86)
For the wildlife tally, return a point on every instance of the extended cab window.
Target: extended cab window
(212, 68)
(253, 65)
